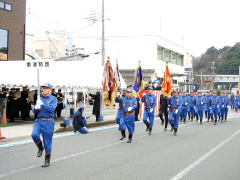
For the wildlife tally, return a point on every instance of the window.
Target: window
(3, 44)
(39, 52)
(1, 5)
(5, 6)
(8, 7)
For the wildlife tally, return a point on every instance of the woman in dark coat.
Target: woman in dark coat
(96, 105)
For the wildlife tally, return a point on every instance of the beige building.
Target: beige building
(53, 46)
(12, 29)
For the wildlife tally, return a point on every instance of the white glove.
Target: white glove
(39, 101)
(37, 106)
(217, 106)
(151, 110)
(176, 111)
(129, 108)
(185, 104)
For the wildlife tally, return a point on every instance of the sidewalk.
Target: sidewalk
(22, 130)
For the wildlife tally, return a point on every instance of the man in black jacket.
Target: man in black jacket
(163, 110)
(96, 105)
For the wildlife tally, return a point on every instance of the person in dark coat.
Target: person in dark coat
(12, 105)
(25, 104)
(60, 99)
(79, 122)
(163, 111)
(96, 105)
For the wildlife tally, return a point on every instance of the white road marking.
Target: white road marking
(184, 172)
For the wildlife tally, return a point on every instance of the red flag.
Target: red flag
(109, 84)
(167, 82)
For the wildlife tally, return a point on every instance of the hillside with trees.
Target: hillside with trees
(227, 60)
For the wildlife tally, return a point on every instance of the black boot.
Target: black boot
(175, 131)
(200, 121)
(215, 122)
(47, 160)
(197, 118)
(123, 135)
(147, 128)
(208, 119)
(40, 149)
(206, 115)
(129, 138)
(150, 131)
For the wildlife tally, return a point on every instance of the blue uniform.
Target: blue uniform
(199, 107)
(128, 119)
(214, 107)
(174, 107)
(206, 101)
(236, 103)
(232, 101)
(191, 102)
(79, 123)
(149, 101)
(222, 106)
(184, 107)
(227, 102)
(44, 124)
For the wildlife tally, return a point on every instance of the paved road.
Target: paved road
(198, 152)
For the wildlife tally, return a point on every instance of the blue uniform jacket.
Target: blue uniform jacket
(47, 109)
(214, 101)
(149, 101)
(174, 102)
(199, 102)
(78, 121)
(129, 102)
(191, 100)
(184, 101)
(221, 101)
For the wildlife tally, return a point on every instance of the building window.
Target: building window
(39, 52)
(5, 6)
(3, 44)
(1, 5)
(159, 53)
(8, 7)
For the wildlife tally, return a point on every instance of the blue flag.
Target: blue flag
(138, 82)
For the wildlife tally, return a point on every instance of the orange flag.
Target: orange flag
(167, 82)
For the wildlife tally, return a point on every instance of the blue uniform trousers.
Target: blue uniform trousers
(226, 111)
(184, 111)
(199, 112)
(222, 111)
(174, 118)
(127, 122)
(148, 115)
(119, 116)
(191, 110)
(46, 128)
(214, 112)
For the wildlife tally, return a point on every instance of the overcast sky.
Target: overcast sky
(200, 23)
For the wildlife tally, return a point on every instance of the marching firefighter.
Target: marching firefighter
(199, 105)
(184, 106)
(44, 124)
(174, 106)
(214, 101)
(149, 101)
(128, 121)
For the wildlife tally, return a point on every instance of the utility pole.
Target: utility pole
(201, 80)
(213, 72)
(103, 35)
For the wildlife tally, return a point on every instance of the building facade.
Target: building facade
(223, 82)
(54, 45)
(152, 53)
(12, 29)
